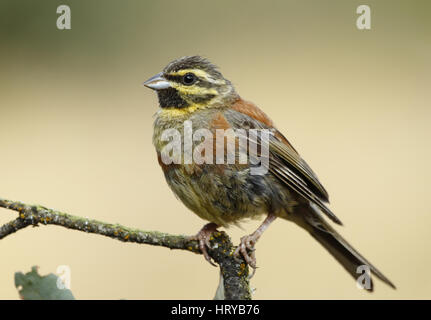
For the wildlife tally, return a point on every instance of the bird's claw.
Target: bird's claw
(247, 250)
(203, 238)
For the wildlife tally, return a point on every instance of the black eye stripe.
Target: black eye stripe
(173, 78)
(199, 81)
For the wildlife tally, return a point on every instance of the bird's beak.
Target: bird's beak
(158, 82)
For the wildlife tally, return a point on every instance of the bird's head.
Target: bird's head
(191, 82)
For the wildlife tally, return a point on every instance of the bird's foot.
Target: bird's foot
(203, 237)
(246, 246)
(247, 250)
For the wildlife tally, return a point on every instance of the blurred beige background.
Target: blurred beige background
(76, 127)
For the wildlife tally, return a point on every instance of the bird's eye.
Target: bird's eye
(189, 79)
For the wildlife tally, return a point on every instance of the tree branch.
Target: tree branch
(234, 272)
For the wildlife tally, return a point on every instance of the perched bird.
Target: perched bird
(192, 91)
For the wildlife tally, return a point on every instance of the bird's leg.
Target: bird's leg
(247, 243)
(203, 237)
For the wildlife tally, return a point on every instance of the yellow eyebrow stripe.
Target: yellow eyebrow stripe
(198, 72)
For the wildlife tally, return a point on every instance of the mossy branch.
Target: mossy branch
(234, 272)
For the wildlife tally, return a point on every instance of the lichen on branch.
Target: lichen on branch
(234, 270)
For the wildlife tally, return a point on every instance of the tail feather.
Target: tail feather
(339, 248)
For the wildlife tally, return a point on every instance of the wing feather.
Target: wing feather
(284, 161)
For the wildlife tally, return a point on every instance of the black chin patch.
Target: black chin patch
(169, 98)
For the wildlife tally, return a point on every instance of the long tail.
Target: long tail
(338, 247)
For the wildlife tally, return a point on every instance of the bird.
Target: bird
(193, 95)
